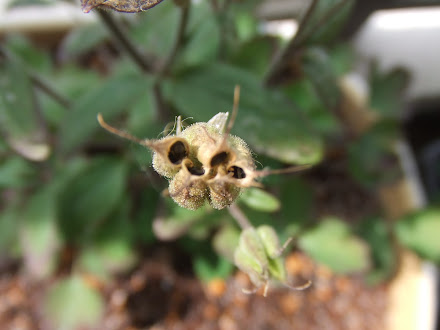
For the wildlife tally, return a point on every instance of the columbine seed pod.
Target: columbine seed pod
(222, 192)
(168, 155)
(187, 188)
(203, 162)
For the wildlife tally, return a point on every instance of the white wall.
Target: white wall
(407, 37)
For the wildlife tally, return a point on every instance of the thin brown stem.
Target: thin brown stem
(45, 87)
(303, 34)
(161, 109)
(239, 216)
(284, 54)
(122, 37)
(39, 82)
(178, 42)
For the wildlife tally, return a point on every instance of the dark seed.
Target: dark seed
(219, 158)
(196, 171)
(177, 153)
(238, 172)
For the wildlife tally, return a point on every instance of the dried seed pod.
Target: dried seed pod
(126, 6)
(168, 153)
(203, 162)
(222, 192)
(188, 187)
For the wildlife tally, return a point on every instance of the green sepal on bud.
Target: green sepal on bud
(259, 256)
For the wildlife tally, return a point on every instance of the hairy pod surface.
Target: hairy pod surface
(203, 162)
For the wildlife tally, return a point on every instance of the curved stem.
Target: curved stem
(239, 216)
(39, 81)
(125, 41)
(178, 42)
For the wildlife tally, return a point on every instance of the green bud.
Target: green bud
(270, 241)
(253, 257)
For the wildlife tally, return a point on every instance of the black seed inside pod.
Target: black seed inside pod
(237, 172)
(177, 153)
(196, 171)
(219, 158)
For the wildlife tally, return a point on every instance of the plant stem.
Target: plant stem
(161, 109)
(45, 87)
(178, 42)
(119, 33)
(39, 81)
(299, 38)
(280, 59)
(239, 216)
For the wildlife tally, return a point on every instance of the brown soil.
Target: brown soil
(159, 295)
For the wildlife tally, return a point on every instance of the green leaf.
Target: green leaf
(302, 92)
(28, 55)
(420, 232)
(297, 206)
(9, 229)
(266, 119)
(84, 39)
(18, 119)
(90, 196)
(143, 219)
(375, 232)
(110, 248)
(39, 236)
(107, 258)
(71, 81)
(260, 200)
(16, 172)
(317, 67)
(156, 30)
(211, 267)
(342, 58)
(71, 304)
(176, 221)
(246, 25)
(114, 96)
(204, 40)
(24, 3)
(254, 55)
(326, 21)
(386, 90)
(372, 159)
(226, 240)
(332, 244)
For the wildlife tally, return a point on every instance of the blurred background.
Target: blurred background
(88, 240)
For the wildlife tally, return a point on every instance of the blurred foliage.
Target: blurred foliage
(68, 184)
(332, 244)
(419, 231)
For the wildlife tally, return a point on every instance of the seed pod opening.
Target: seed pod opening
(220, 158)
(237, 172)
(178, 152)
(169, 153)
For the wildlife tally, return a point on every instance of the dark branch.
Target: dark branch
(119, 33)
(38, 81)
(303, 34)
(178, 42)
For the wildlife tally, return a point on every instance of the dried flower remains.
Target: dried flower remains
(126, 6)
(204, 162)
